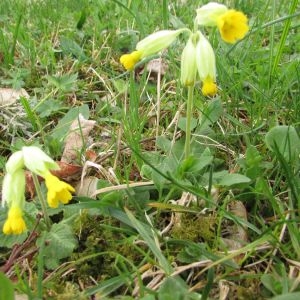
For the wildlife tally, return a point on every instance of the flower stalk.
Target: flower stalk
(189, 110)
(42, 201)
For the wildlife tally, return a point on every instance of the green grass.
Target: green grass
(227, 215)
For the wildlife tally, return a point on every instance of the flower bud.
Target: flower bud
(188, 63)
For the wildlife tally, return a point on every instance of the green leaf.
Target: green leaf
(163, 143)
(60, 243)
(289, 296)
(65, 83)
(70, 47)
(195, 165)
(182, 123)
(171, 284)
(49, 107)
(285, 140)
(6, 288)
(211, 114)
(62, 128)
(233, 179)
(106, 287)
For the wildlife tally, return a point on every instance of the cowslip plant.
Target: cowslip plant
(198, 57)
(13, 190)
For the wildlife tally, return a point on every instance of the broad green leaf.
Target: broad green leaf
(163, 143)
(62, 128)
(285, 140)
(233, 179)
(195, 164)
(70, 47)
(289, 296)
(171, 284)
(6, 288)
(211, 113)
(182, 123)
(60, 243)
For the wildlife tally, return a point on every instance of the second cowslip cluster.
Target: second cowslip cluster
(198, 57)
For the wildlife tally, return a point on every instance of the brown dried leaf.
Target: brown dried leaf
(77, 138)
(87, 187)
(238, 236)
(10, 96)
(67, 171)
(156, 66)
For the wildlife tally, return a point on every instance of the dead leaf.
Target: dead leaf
(87, 187)
(77, 139)
(156, 66)
(238, 235)
(67, 172)
(10, 96)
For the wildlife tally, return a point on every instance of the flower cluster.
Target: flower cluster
(198, 58)
(13, 190)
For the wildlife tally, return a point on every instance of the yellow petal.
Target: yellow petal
(58, 191)
(209, 87)
(14, 223)
(130, 60)
(233, 25)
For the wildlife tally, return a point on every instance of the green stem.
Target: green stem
(42, 201)
(189, 108)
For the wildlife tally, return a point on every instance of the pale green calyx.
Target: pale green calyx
(205, 58)
(13, 188)
(208, 14)
(157, 41)
(37, 161)
(15, 162)
(188, 62)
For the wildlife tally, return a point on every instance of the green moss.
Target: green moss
(94, 238)
(195, 228)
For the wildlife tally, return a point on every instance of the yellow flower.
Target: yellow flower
(232, 24)
(130, 60)
(150, 45)
(58, 191)
(14, 223)
(209, 88)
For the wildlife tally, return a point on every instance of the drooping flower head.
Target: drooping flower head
(13, 189)
(206, 65)
(41, 164)
(232, 24)
(198, 58)
(150, 45)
